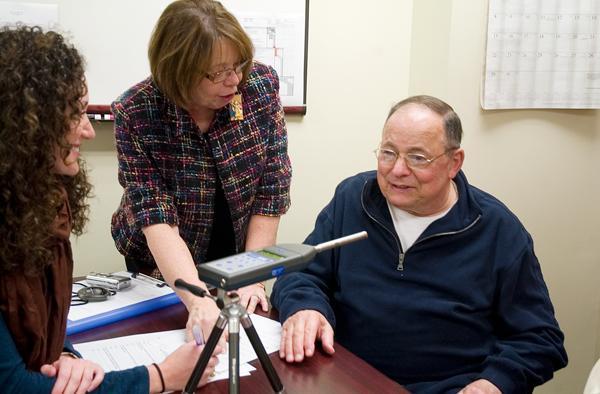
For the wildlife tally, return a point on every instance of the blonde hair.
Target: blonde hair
(182, 43)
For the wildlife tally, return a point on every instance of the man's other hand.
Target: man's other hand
(299, 333)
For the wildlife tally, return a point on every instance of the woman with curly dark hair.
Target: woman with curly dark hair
(43, 191)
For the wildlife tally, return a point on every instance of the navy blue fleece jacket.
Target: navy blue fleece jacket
(466, 301)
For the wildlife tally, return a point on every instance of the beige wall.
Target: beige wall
(541, 163)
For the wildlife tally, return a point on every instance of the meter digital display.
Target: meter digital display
(270, 255)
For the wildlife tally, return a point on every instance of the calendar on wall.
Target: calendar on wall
(542, 54)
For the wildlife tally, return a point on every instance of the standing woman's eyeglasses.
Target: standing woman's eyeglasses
(220, 76)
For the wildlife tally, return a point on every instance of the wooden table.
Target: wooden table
(340, 373)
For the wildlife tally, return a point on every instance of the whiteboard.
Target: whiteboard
(113, 37)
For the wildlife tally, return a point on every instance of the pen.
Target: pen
(144, 277)
(197, 332)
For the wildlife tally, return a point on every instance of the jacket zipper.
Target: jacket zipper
(402, 255)
(450, 232)
(400, 266)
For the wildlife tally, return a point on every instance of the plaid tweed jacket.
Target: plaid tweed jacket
(168, 168)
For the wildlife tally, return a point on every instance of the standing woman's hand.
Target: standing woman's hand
(203, 313)
(73, 375)
(167, 247)
(253, 295)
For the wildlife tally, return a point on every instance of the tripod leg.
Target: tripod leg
(265, 361)
(207, 352)
(234, 356)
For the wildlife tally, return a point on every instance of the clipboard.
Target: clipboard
(141, 297)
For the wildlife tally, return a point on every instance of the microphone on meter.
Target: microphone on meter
(233, 272)
(198, 291)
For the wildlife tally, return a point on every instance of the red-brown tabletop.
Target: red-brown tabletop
(340, 373)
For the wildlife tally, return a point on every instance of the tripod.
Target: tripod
(232, 313)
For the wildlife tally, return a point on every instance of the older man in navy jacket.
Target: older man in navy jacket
(446, 295)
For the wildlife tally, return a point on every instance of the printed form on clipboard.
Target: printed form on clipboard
(141, 297)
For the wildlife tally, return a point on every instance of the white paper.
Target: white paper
(127, 352)
(276, 44)
(277, 30)
(542, 54)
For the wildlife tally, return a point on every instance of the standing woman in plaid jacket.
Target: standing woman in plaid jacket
(202, 150)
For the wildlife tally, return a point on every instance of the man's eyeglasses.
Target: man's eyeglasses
(388, 158)
(220, 76)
